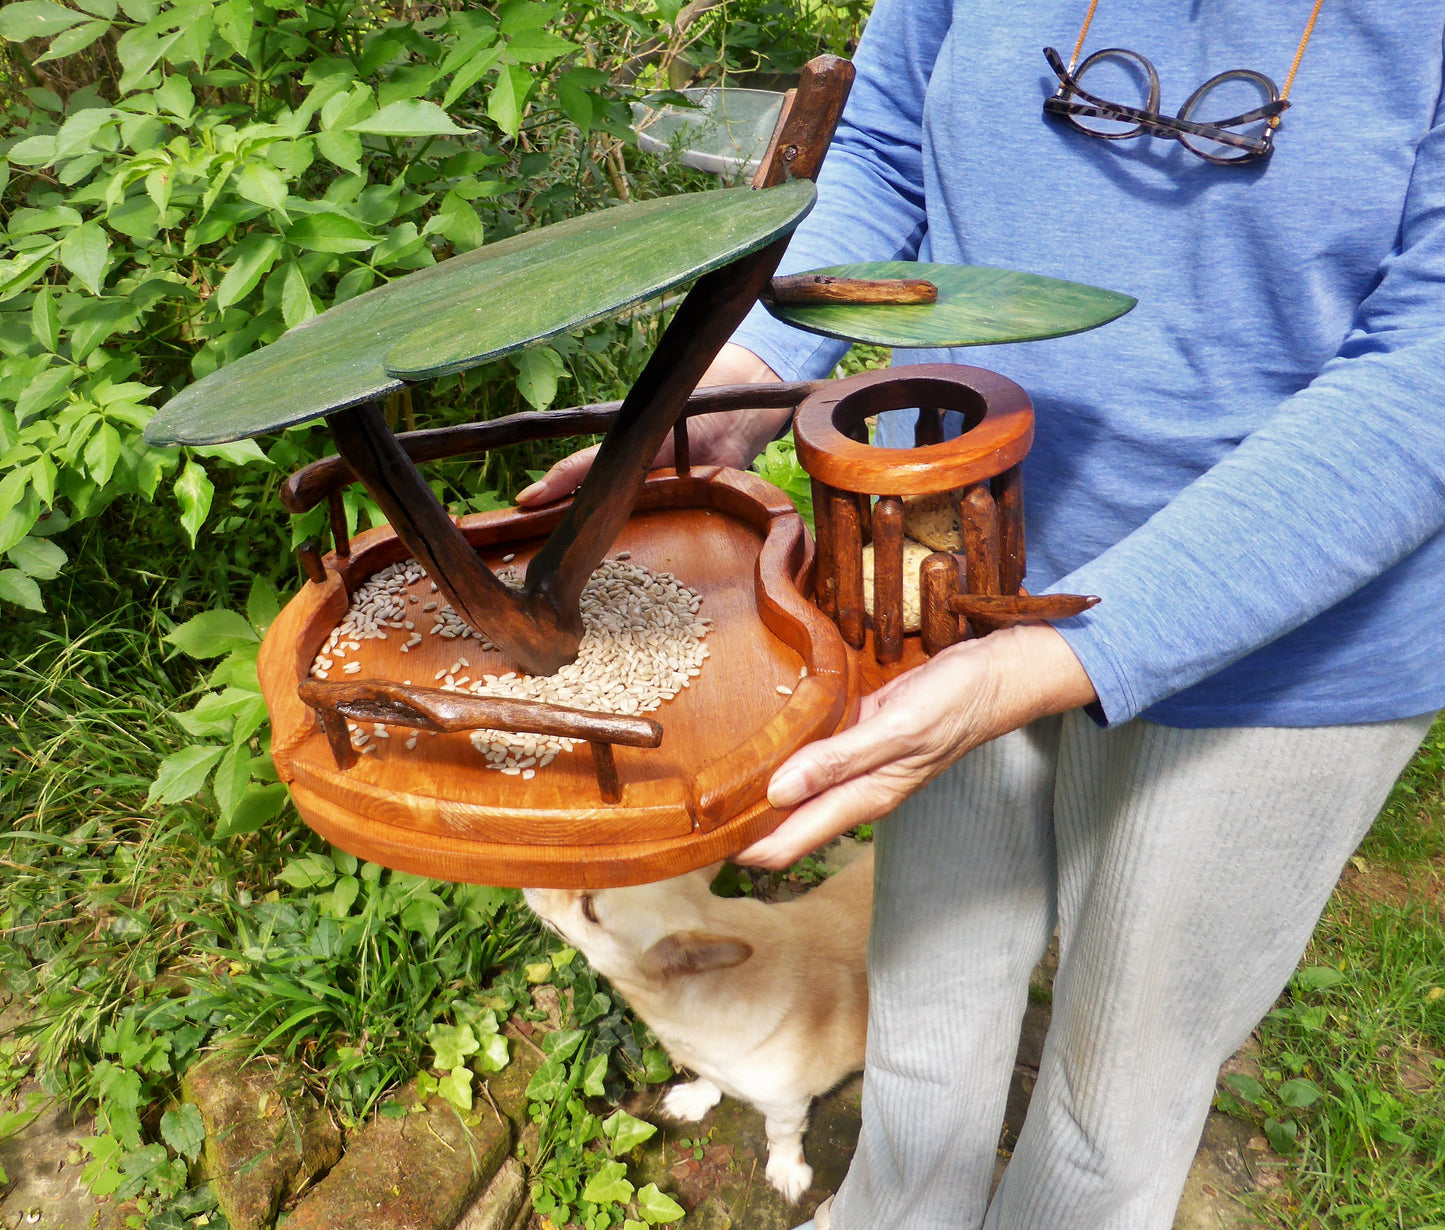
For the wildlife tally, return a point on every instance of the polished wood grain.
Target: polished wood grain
(438, 811)
(1008, 494)
(846, 528)
(937, 584)
(825, 589)
(795, 151)
(888, 579)
(998, 419)
(978, 515)
(1002, 610)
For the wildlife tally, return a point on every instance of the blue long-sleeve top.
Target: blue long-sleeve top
(1249, 468)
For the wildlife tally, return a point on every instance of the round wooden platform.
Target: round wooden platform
(439, 811)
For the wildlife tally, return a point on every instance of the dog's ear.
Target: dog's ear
(694, 952)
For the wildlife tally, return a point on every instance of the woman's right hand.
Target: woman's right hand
(732, 438)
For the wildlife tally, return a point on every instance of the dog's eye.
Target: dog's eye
(590, 914)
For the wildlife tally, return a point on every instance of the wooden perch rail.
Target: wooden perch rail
(802, 289)
(1000, 610)
(308, 486)
(396, 704)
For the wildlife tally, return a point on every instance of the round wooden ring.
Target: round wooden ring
(833, 441)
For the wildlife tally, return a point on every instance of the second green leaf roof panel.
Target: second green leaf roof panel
(977, 306)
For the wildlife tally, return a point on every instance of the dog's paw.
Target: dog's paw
(692, 1100)
(791, 1176)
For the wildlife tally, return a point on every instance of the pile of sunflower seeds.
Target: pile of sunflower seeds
(642, 643)
(381, 602)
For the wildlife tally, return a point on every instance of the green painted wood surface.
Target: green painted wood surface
(477, 306)
(977, 306)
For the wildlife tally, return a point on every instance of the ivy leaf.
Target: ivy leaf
(18, 588)
(342, 148)
(451, 1044)
(344, 894)
(626, 1133)
(538, 370)
(263, 604)
(609, 1185)
(657, 1206)
(184, 1131)
(45, 390)
(27, 19)
(408, 117)
(493, 1056)
(258, 807)
(211, 634)
(83, 251)
(593, 1076)
(250, 259)
(194, 492)
(183, 773)
(456, 1088)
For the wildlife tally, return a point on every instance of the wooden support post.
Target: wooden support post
(825, 569)
(1008, 492)
(937, 584)
(978, 515)
(310, 556)
(865, 518)
(848, 553)
(340, 538)
(334, 727)
(929, 428)
(888, 579)
(606, 766)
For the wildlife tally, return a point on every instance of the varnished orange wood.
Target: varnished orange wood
(730, 536)
(998, 420)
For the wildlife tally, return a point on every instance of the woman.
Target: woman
(1249, 469)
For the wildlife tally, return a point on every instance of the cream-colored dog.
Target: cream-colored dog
(767, 1003)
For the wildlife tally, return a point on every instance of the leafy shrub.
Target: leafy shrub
(225, 170)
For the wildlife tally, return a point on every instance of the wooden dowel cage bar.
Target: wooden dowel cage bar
(972, 583)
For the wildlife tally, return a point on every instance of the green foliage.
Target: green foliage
(226, 171)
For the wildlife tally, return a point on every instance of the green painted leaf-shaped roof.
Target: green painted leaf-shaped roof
(977, 306)
(477, 306)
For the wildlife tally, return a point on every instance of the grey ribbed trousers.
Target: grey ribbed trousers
(1185, 870)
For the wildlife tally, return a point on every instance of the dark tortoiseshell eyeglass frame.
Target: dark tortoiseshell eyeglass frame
(1072, 101)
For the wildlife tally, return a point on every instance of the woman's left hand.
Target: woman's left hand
(913, 728)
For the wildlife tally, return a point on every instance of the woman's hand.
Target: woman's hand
(913, 728)
(730, 439)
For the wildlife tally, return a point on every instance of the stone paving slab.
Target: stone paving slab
(416, 1172)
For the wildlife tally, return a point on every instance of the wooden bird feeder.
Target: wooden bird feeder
(654, 794)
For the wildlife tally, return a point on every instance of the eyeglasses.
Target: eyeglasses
(1200, 127)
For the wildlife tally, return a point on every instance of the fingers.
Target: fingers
(821, 819)
(876, 740)
(561, 480)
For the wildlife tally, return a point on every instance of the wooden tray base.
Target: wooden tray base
(438, 811)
